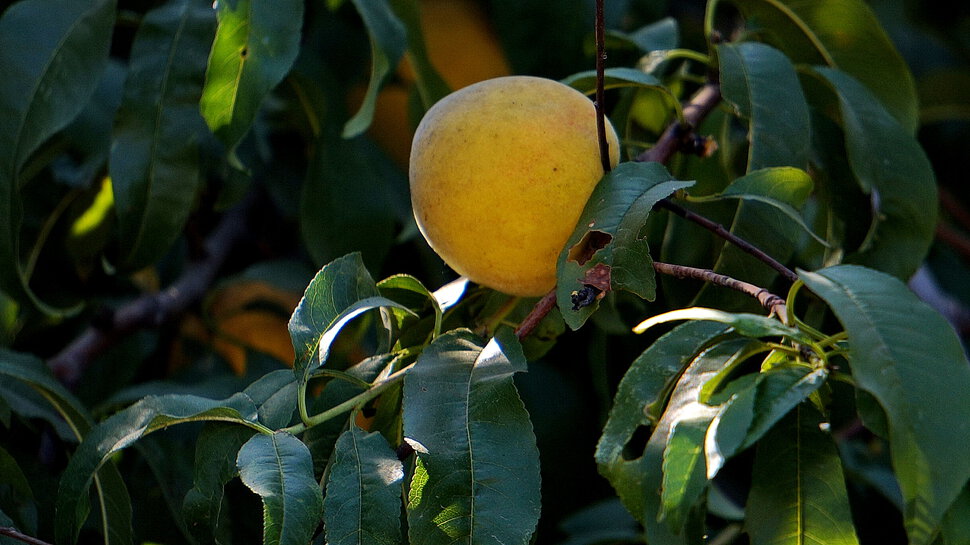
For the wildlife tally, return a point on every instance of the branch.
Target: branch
(155, 309)
(600, 91)
(774, 304)
(12, 532)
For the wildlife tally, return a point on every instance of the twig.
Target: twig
(722, 232)
(700, 105)
(600, 87)
(152, 310)
(542, 308)
(12, 532)
(774, 304)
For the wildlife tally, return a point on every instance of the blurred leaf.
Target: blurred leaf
(890, 165)
(956, 524)
(798, 493)
(52, 55)
(255, 46)
(363, 501)
(842, 34)
(349, 200)
(748, 325)
(431, 86)
(113, 503)
(204, 506)
(775, 187)
(757, 80)
(639, 401)
(387, 44)
(279, 469)
(606, 521)
(480, 466)
(909, 358)
(124, 428)
(607, 241)
(660, 35)
(155, 162)
(16, 496)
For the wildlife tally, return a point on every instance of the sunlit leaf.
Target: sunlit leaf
(279, 469)
(255, 46)
(363, 501)
(798, 493)
(909, 358)
(749, 325)
(479, 476)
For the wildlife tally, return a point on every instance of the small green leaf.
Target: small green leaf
(337, 286)
(52, 55)
(657, 36)
(387, 44)
(479, 480)
(279, 469)
(411, 292)
(155, 163)
(748, 325)
(901, 183)
(776, 187)
(909, 358)
(798, 493)
(363, 501)
(842, 34)
(255, 46)
(607, 242)
(274, 395)
(756, 79)
(617, 78)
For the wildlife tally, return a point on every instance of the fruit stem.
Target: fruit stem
(600, 87)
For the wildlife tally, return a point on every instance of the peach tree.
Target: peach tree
(219, 320)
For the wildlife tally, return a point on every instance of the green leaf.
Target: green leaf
(908, 357)
(113, 503)
(757, 79)
(279, 469)
(775, 187)
(618, 78)
(411, 292)
(956, 524)
(607, 243)
(274, 395)
(336, 287)
(657, 36)
(891, 166)
(431, 86)
(639, 401)
(255, 46)
(748, 325)
(350, 200)
(684, 469)
(204, 506)
(843, 34)
(798, 493)
(388, 41)
(480, 466)
(363, 501)
(124, 428)
(52, 55)
(749, 413)
(16, 496)
(155, 163)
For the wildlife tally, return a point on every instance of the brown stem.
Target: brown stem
(600, 87)
(152, 310)
(12, 532)
(542, 308)
(774, 304)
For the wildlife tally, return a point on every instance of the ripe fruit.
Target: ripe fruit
(500, 172)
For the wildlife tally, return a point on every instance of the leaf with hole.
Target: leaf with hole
(606, 250)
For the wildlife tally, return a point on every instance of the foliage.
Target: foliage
(172, 173)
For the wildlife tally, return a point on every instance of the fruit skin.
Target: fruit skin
(500, 172)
